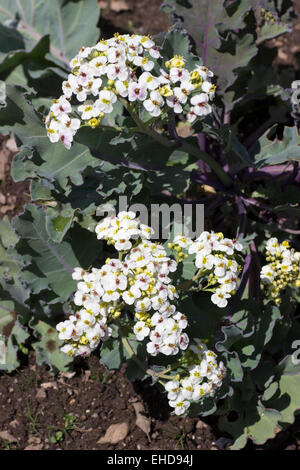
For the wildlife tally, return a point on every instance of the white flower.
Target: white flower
(88, 110)
(174, 102)
(204, 261)
(201, 106)
(149, 81)
(152, 348)
(180, 405)
(220, 298)
(122, 244)
(267, 274)
(137, 92)
(154, 104)
(181, 75)
(61, 106)
(116, 71)
(131, 295)
(144, 63)
(173, 389)
(141, 330)
(181, 240)
(105, 101)
(122, 88)
(143, 305)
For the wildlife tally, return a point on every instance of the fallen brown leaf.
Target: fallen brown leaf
(67, 375)
(34, 443)
(114, 434)
(41, 393)
(6, 436)
(47, 385)
(142, 421)
(115, 5)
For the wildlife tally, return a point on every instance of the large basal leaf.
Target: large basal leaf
(252, 421)
(11, 60)
(250, 347)
(70, 24)
(287, 400)
(52, 263)
(204, 20)
(54, 161)
(272, 152)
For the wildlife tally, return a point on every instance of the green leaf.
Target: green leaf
(287, 399)
(253, 421)
(9, 60)
(58, 221)
(52, 263)
(71, 24)
(13, 333)
(205, 21)
(52, 161)
(47, 347)
(114, 354)
(269, 151)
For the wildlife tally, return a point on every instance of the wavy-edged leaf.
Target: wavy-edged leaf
(71, 24)
(287, 398)
(13, 333)
(52, 263)
(272, 152)
(253, 421)
(205, 20)
(53, 161)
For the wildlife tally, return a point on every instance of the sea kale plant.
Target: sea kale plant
(198, 115)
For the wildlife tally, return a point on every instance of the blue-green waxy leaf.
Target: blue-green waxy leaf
(273, 152)
(205, 21)
(71, 24)
(58, 221)
(15, 58)
(287, 398)
(53, 162)
(52, 263)
(11, 265)
(47, 347)
(252, 421)
(12, 335)
(114, 353)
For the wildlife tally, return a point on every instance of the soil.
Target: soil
(34, 405)
(74, 410)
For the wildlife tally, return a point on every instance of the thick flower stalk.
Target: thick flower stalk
(282, 270)
(218, 261)
(130, 68)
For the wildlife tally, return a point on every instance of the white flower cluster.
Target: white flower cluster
(215, 258)
(152, 295)
(126, 66)
(139, 283)
(118, 230)
(283, 268)
(205, 375)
